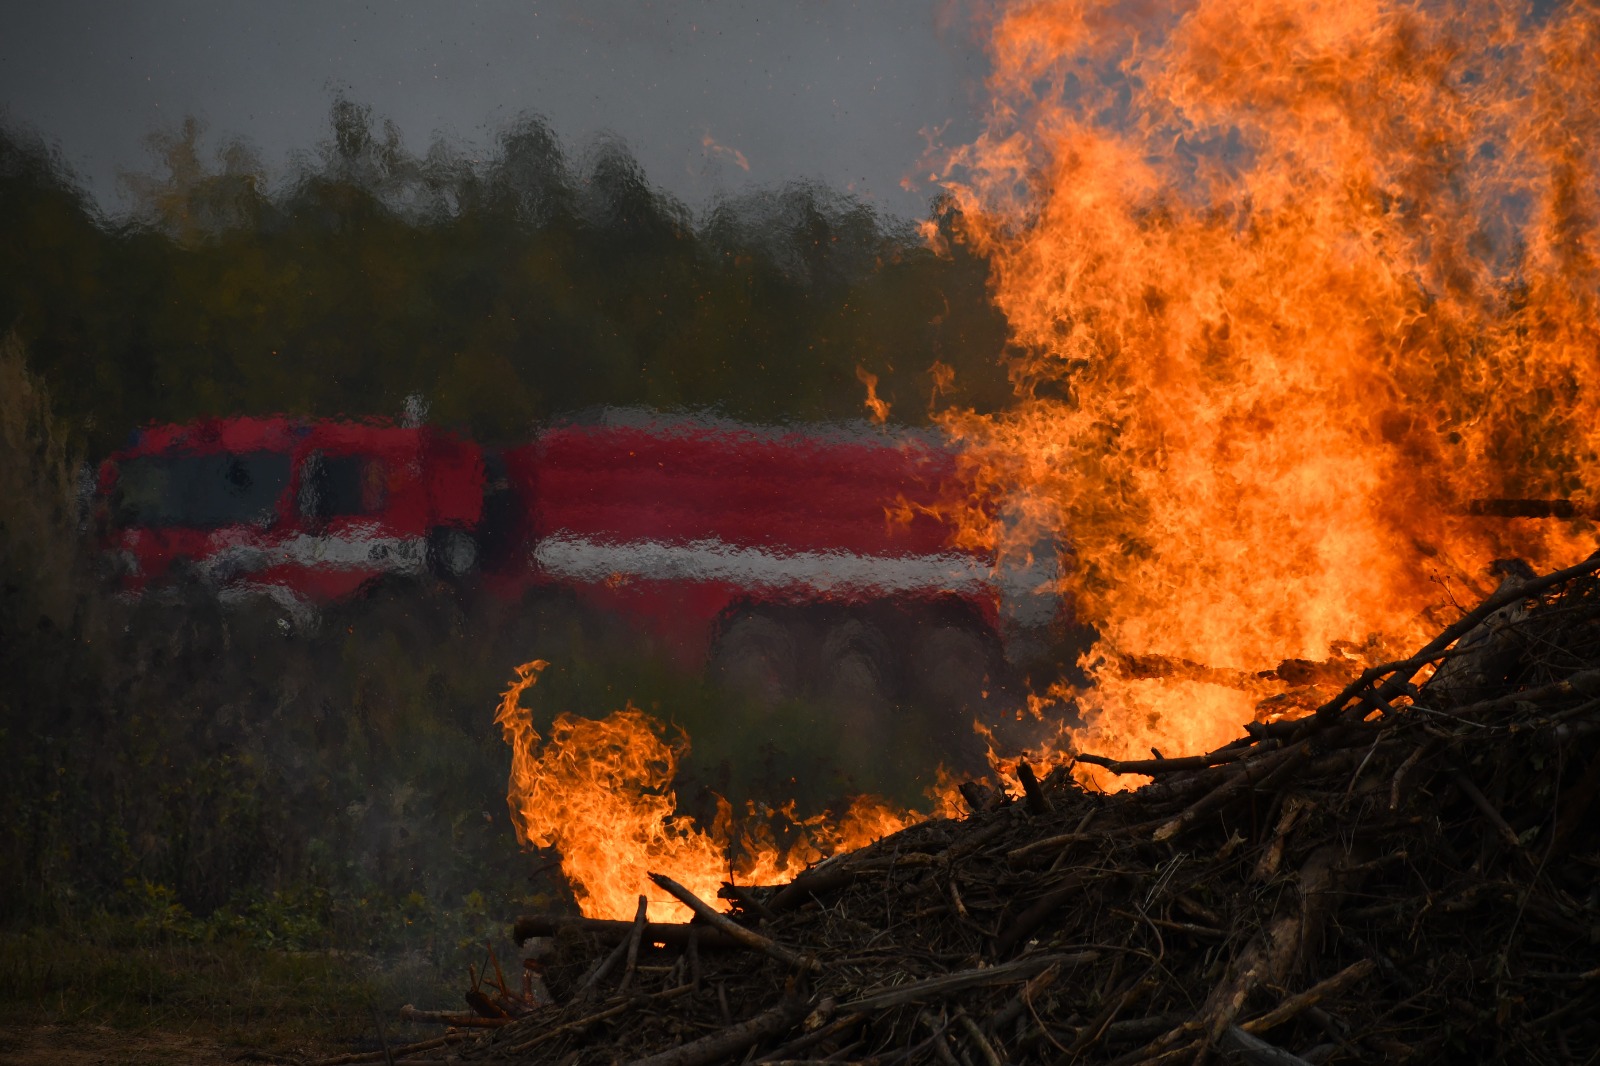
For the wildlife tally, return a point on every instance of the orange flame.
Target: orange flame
(878, 407)
(600, 792)
(1291, 284)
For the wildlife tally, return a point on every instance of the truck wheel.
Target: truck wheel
(857, 669)
(758, 655)
(955, 672)
(954, 664)
(452, 553)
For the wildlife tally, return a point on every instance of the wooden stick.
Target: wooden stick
(1578, 683)
(986, 1049)
(812, 882)
(1280, 944)
(1508, 834)
(673, 934)
(1023, 999)
(746, 900)
(640, 920)
(915, 991)
(748, 937)
(1102, 1021)
(598, 974)
(631, 1003)
(722, 1046)
(1231, 753)
(1251, 773)
(813, 1038)
(1035, 799)
(1399, 775)
(1300, 1002)
(377, 1056)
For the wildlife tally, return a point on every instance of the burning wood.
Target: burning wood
(1400, 875)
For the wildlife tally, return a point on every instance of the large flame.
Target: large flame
(600, 793)
(1290, 283)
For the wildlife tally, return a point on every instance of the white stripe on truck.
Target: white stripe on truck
(585, 559)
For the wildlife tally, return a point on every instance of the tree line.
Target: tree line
(504, 289)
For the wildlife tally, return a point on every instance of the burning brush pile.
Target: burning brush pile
(1406, 874)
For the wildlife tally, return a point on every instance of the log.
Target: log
(811, 883)
(1507, 507)
(610, 931)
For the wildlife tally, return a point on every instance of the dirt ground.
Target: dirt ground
(93, 1045)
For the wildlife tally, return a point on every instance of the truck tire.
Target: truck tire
(954, 666)
(857, 669)
(452, 553)
(759, 655)
(955, 672)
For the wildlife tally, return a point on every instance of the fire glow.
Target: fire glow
(1289, 285)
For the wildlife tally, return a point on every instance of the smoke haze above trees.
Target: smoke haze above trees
(505, 289)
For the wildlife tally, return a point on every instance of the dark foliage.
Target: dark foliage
(503, 290)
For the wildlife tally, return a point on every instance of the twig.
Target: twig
(986, 1049)
(1222, 756)
(1481, 801)
(1399, 775)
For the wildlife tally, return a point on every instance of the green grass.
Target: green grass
(231, 990)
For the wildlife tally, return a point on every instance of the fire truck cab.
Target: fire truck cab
(302, 513)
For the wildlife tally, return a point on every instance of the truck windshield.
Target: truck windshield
(202, 491)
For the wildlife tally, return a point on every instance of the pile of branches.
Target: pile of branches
(1407, 874)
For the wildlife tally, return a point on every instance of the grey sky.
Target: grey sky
(834, 90)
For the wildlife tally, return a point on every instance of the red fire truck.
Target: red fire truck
(788, 560)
